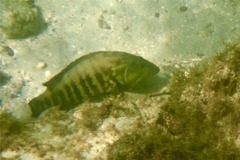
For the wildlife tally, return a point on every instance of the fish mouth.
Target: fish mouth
(155, 71)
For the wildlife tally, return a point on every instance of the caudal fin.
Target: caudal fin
(40, 104)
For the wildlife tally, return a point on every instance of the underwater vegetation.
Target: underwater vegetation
(200, 120)
(59, 133)
(21, 19)
(9, 128)
(92, 76)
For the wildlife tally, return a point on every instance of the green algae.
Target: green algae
(21, 19)
(200, 120)
(10, 127)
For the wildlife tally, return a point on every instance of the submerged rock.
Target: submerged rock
(21, 19)
(200, 120)
(4, 78)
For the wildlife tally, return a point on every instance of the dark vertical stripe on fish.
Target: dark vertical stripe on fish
(102, 78)
(70, 94)
(54, 99)
(99, 82)
(61, 97)
(84, 87)
(91, 86)
(46, 103)
(76, 91)
(88, 83)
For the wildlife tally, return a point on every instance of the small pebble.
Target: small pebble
(41, 65)
(9, 51)
(126, 28)
(200, 55)
(48, 74)
(8, 154)
(183, 8)
(196, 59)
(103, 24)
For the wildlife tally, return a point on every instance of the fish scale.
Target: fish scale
(92, 76)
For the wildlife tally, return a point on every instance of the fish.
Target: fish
(92, 76)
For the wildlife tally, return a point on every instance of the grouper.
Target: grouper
(92, 76)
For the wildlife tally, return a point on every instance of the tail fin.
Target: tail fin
(40, 103)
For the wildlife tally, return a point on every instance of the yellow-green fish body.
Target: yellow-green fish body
(92, 76)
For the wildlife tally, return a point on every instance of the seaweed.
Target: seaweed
(10, 127)
(200, 120)
(21, 19)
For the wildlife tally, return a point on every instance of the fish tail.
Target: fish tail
(41, 103)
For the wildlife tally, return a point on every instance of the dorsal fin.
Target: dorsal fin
(55, 80)
(50, 84)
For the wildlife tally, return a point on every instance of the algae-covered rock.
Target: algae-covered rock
(201, 119)
(9, 127)
(4, 78)
(21, 19)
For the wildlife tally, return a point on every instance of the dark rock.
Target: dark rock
(4, 78)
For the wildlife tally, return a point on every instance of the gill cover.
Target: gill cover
(135, 71)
